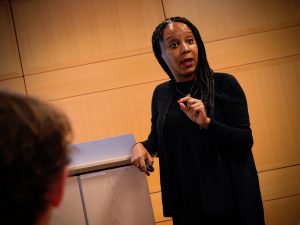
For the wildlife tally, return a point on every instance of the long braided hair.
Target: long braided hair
(204, 74)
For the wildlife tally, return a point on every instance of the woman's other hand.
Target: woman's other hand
(195, 110)
(139, 157)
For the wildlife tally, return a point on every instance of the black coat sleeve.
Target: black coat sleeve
(233, 134)
(151, 144)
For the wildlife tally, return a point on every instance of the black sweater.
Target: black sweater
(211, 170)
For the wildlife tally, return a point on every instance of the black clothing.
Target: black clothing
(208, 171)
(200, 219)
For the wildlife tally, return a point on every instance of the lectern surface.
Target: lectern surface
(101, 154)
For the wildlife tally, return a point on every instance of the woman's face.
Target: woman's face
(179, 51)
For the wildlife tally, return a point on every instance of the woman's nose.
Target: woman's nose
(185, 48)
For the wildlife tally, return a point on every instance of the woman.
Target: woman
(201, 134)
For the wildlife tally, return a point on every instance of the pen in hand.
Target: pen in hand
(149, 167)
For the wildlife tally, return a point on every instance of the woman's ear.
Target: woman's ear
(59, 188)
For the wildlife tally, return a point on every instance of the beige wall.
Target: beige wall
(93, 59)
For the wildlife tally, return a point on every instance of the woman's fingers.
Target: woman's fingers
(149, 159)
(184, 99)
(139, 155)
(192, 106)
(192, 101)
(195, 110)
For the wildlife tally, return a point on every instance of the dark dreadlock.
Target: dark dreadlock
(204, 74)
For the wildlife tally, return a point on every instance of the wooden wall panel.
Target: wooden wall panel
(154, 179)
(272, 90)
(284, 211)
(56, 34)
(275, 185)
(95, 77)
(15, 84)
(157, 207)
(10, 66)
(280, 183)
(254, 48)
(231, 18)
(110, 113)
(131, 70)
(167, 222)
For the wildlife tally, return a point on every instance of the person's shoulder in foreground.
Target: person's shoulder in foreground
(34, 140)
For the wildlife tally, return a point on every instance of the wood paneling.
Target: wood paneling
(10, 66)
(157, 207)
(254, 48)
(283, 211)
(95, 77)
(57, 34)
(224, 19)
(280, 183)
(131, 70)
(276, 185)
(277, 212)
(167, 222)
(154, 179)
(273, 100)
(110, 113)
(15, 84)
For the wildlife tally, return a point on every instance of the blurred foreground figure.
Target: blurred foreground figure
(34, 140)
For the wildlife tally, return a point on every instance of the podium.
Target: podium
(103, 187)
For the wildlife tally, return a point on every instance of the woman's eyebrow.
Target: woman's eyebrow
(170, 37)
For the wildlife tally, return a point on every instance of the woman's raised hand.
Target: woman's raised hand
(195, 110)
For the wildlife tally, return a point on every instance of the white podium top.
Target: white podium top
(101, 154)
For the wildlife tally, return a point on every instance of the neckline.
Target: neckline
(185, 88)
(183, 83)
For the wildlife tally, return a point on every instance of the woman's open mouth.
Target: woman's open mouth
(188, 62)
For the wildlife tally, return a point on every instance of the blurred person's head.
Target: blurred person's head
(34, 140)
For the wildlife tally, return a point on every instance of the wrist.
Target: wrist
(206, 123)
(134, 145)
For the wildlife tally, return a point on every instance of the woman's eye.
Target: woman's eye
(190, 41)
(173, 45)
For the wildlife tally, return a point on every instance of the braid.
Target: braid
(204, 74)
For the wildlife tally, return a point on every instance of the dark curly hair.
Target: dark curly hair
(34, 140)
(204, 74)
